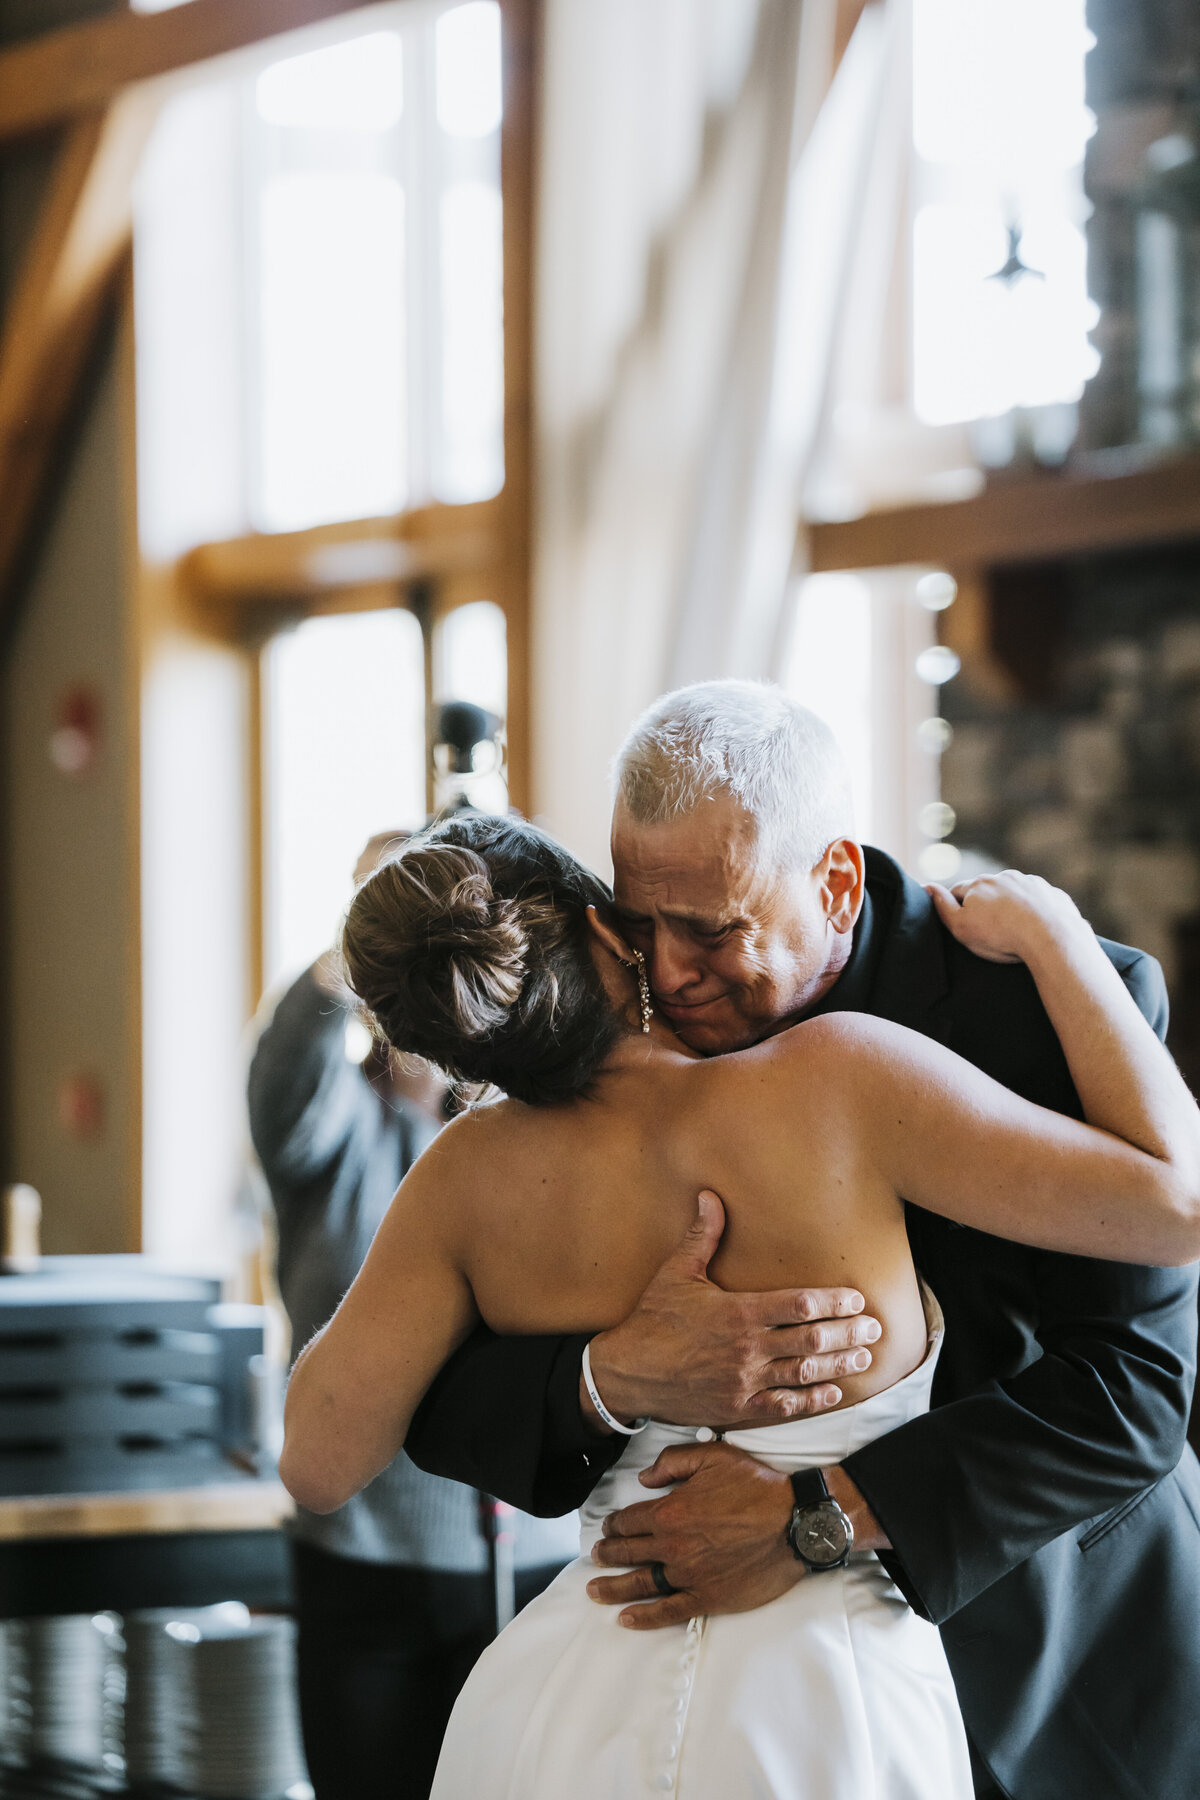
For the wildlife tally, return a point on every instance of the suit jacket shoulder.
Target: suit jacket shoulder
(989, 1013)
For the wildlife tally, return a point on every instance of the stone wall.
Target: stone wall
(1083, 765)
(1144, 51)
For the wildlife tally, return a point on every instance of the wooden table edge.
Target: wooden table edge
(247, 1505)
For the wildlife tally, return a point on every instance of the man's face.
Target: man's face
(735, 946)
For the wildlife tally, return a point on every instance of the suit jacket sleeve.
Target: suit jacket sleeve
(306, 1099)
(970, 1490)
(503, 1415)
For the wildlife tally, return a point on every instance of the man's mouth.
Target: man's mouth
(684, 1008)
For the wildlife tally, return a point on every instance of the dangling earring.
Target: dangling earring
(637, 961)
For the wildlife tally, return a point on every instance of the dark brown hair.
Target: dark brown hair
(471, 948)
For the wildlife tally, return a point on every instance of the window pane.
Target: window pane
(473, 657)
(344, 735)
(998, 84)
(358, 86)
(469, 94)
(332, 320)
(320, 292)
(472, 664)
(470, 460)
(191, 472)
(1000, 128)
(829, 670)
(1034, 329)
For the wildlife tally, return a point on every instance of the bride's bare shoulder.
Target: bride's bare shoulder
(478, 1140)
(455, 1181)
(477, 1130)
(828, 1045)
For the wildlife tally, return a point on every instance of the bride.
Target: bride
(486, 948)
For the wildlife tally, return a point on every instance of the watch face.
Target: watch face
(819, 1534)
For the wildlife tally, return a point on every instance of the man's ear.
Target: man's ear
(609, 936)
(843, 883)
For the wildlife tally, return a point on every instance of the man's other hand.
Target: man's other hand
(719, 1536)
(697, 1355)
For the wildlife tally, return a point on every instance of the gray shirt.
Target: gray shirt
(333, 1152)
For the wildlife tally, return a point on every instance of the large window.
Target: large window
(1000, 128)
(319, 340)
(328, 255)
(344, 759)
(863, 657)
(318, 281)
(344, 744)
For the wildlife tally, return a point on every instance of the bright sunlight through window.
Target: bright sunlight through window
(470, 452)
(357, 86)
(332, 307)
(468, 70)
(472, 657)
(318, 264)
(344, 733)
(829, 670)
(1000, 128)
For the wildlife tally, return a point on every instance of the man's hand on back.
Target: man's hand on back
(697, 1355)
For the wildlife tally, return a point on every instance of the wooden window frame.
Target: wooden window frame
(100, 84)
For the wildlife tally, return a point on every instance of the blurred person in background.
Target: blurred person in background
(394, 1597)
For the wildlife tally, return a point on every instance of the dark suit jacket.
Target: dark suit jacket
(1046, 1513)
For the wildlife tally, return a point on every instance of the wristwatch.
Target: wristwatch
(819, 1532)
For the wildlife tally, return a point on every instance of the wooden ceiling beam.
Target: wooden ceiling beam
(1073, 513)
(425, 544)
(58, 301)
(59, 75)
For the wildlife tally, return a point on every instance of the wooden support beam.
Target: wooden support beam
(51, 79)
(849, 12)
(57, 305)
(522, 29)
(1069, 514)
(427, 544)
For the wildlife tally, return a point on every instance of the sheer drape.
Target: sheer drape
(703, 191)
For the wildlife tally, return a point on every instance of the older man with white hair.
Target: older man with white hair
(1046, 1513)
(737, 873)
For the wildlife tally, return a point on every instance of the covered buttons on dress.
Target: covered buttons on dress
(682, 1684)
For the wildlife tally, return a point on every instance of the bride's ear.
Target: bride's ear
(609, 936)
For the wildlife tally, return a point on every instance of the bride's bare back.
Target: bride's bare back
(566, 1212)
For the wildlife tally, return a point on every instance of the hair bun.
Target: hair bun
(472, 948)
(465, 945)
(475, 937)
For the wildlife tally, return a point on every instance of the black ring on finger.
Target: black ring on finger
(658, 1575)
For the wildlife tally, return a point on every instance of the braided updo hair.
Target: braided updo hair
(471, 948)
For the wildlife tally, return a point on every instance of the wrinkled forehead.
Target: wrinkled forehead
(709, 858)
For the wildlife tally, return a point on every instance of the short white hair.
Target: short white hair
(748, 740)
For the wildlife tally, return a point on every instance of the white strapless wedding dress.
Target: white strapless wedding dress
(834, 1691)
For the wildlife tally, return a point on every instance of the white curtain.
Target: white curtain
(704, 188)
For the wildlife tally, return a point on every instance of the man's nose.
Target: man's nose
(671, 967)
